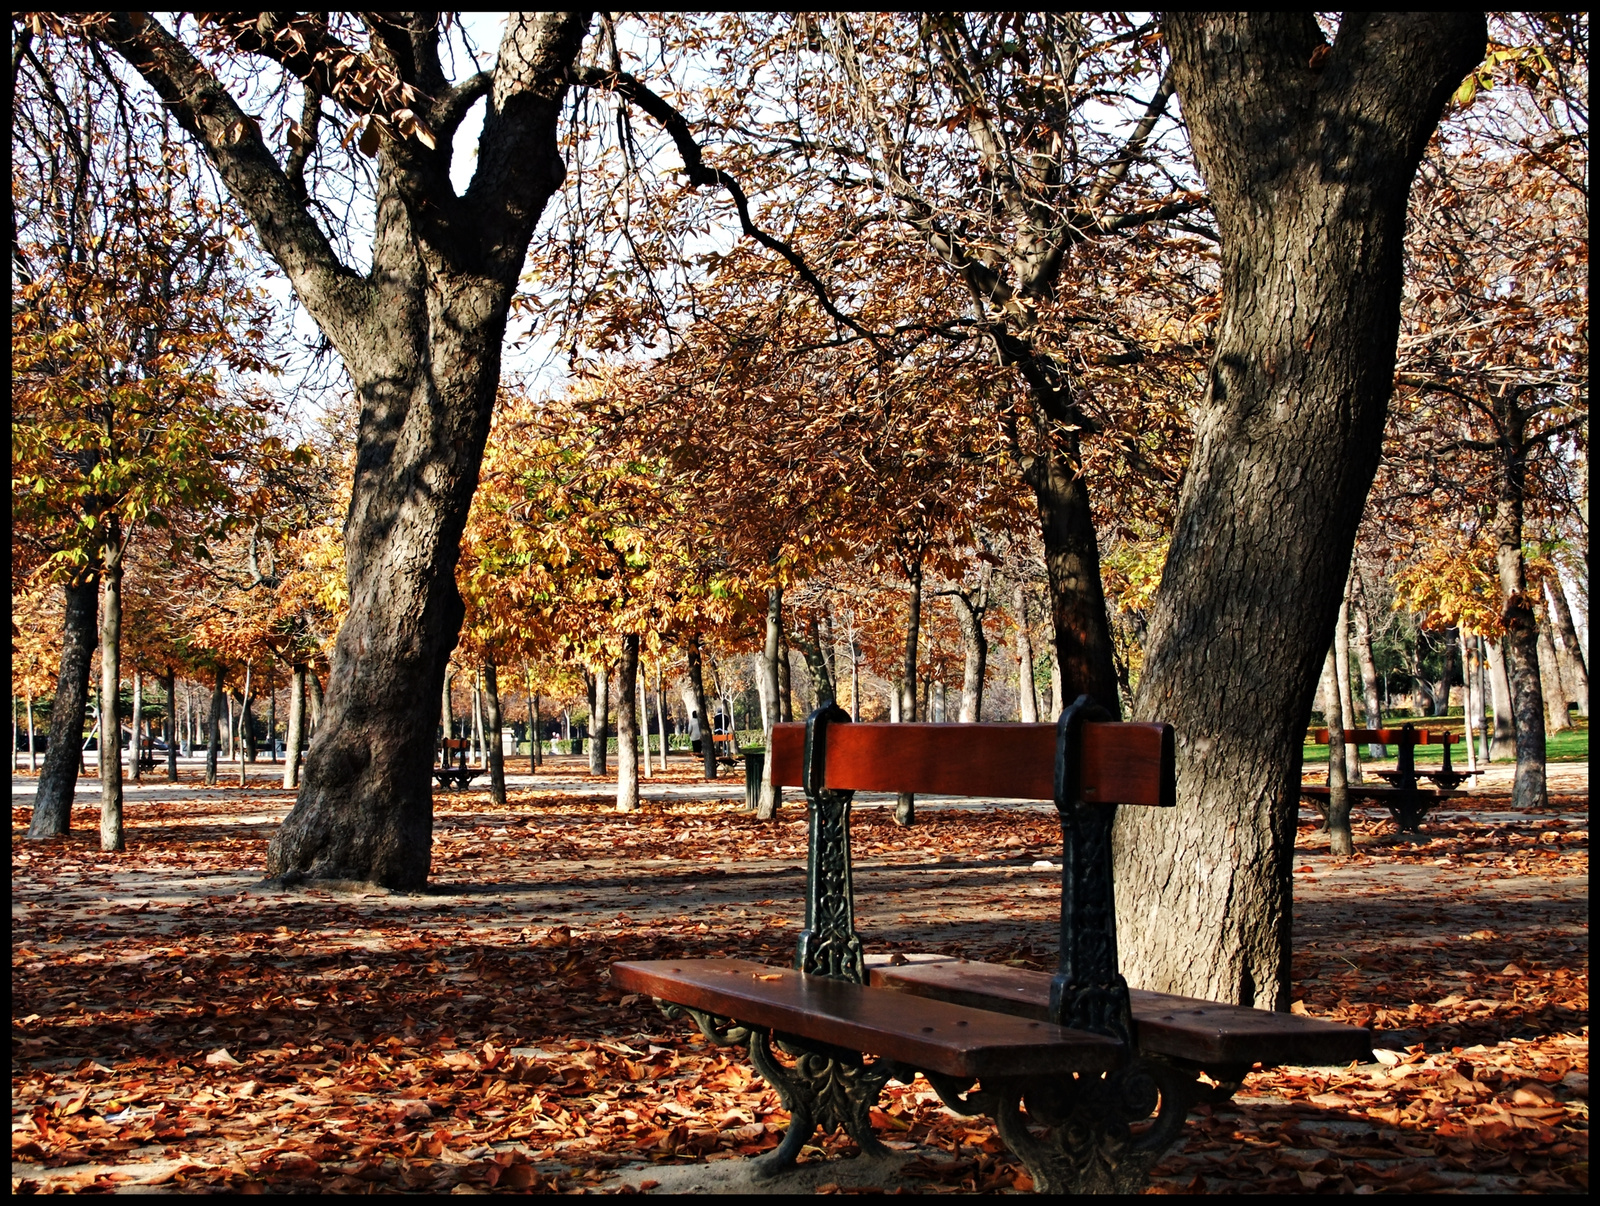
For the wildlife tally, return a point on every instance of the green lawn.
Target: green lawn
(1570, 746)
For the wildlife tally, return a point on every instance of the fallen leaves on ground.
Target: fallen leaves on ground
(171, 1028)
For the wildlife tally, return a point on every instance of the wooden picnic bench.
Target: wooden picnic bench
(459, 774)
(1408, 802)
(1109, 1073)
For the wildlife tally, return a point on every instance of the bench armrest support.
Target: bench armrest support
(829, 945)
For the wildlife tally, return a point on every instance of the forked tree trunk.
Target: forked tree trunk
(111, 838)
(297, 726)
(52, 802)
(1308, 154)
(492, 726)
(627, 725)
(811, 648)
(767, 801)
(697, 685)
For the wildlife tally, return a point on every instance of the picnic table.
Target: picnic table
(1408, 802)
(1108, 1073)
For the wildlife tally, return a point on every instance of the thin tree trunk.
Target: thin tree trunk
(247, 728)
(111, 837)
(1341, 644)
(599, 719)
(1550, 685)
(137, 744)
(1287, 438)
(767, 801)
(232, 743)
(63, 756)
(315, 696)
(1027, 700)
(479, 749)
(627, 725)
(1571, 647)
(661, 716)
(1469, 689)
(1341, 843)
(905, 806)
(272, 712)
(33, 761)
(492, 734)
(1504, 742)
(785, 695)
(975, 646)
(855, 680)
(1369, 666)
(644, 718)
(214, 727)
(1057, 701)
(697, 685)
(297, 726)
(447, 718)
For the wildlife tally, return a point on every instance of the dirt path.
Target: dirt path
(469, 1036)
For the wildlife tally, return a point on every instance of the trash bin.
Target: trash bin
(575, 746)
(755, 759)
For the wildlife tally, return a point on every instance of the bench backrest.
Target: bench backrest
(1120, 763)
(1402, 736)
(457, 743)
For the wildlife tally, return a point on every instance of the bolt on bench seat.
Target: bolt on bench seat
(1108, 1107)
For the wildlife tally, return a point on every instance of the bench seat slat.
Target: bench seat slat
(927, 1034)
(1383, 793)
(1205, 1032)
(1122, 763)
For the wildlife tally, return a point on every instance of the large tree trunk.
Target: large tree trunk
(697, 684)
(1309, 155)
(767, 801)
(1341, 843)
(492, 730)
(599, 718)
(975, 646)
(1027, 698)
(1504, 742)
(1520, 644)
(1567, 634)
(1084, 649)
(110, 688)
(1369, 667)
(296, 734)
(52, 802)
(627, 725)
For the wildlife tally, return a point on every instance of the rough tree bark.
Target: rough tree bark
(491, 732)
(697, 684)
(599, 717)
(420, 335)
(1308, 152)
(627, 725)
(1520, 643)
(297, 726)
(767, 801)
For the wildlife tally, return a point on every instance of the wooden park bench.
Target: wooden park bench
(1109, 1073)
(1408, 802)
(460, 774)
(725, 749)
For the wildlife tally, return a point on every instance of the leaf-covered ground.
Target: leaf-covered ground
(173, 1027)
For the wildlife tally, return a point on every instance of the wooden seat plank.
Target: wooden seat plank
(1122, 763)
(1382, 793)
(927, 1034)
(1203, 1032)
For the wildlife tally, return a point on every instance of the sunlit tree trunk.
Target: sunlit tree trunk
(296, 733)
(767, 801)
(599, 718)
(661, 715)
(975, 647)
(1308, 152)
(627, 725)
(111, 838)
(1472, 682)
(1571, 647)
(1503, 744)
(137, 720)
(1027, 699)
(644, 718)
(1369, 668)
(1341, 644)
(1550, 685)
(33, 763)
(1341, 842)
(492, 734)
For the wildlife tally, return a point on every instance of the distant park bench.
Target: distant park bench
(724, 748)
(460, 774)
(1405, 798)
(1090, 1060)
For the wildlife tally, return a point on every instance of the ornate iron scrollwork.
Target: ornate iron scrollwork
(828, 1087)
(829, 944)
(724, 1032)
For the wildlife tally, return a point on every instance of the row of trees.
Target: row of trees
(988, 268)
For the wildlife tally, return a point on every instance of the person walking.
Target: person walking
(694, 731)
